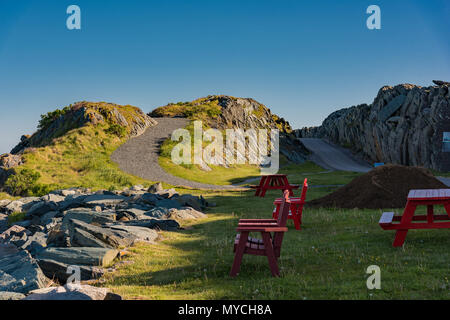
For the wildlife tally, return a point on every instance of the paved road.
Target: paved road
(139, 156)
(332, 157)
(446, 181)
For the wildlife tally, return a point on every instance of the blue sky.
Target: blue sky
(303, 59)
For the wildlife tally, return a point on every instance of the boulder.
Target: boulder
(158, 212)
(13, 206)
(168, 204)
(19, 272)
(58, 270)
(140, 233)
(168, 193)
(35, 243)
(4, 203)
(69, 292)
(190, 201)
(5, 296)
(79, 255)
(112, 238)
(15, 235)
(147, 198)
(103, 200)
(186, 213)
(7, 249)
(3, 222)
(41, 208)
(88, 216)
(157, 224)
(82, 238)
(154, 188)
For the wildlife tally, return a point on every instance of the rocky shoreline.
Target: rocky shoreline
(85, 229)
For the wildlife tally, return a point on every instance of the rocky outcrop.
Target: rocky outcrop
(226, 112)
(404, 125)
(82, 113)
(89, 230)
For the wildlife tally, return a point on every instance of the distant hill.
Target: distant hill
(71, 148)
(226, 112)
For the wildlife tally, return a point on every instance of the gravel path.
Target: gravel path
(330, 156)
(139, 156)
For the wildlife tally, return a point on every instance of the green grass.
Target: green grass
(327, 259)
(16, 217)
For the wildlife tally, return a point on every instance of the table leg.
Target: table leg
(430, 214)
(261, 184)
(265, 187)
(239, 254)
(447, 209)
(407, 216)
(287, 186)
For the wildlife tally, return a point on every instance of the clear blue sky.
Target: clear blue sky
(303, 59)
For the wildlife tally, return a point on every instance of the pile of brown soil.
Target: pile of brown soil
(383, 187)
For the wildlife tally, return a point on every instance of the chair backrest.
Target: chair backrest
(304, 189)
(284, 209)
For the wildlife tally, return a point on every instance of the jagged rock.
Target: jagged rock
(190, 201)
(103, 200)
(147, 198)
(158, 212)
(5, 296)
(157, 224)
(9, 161)
(168, 203)
(13, 206)
(441, 83)
(88, 216)
(79, 255)
(16, 235)
(35, 243)
(41, 208)
(7, 249)
(3, 222)
(19, 272)
(140, 233)
(411, 135)
(70, 292)
(4, 203)
(53, 198)
(82, 238)
(113, 238)
(186, 213)
(154, 188)
(58, 270)
(168, 193)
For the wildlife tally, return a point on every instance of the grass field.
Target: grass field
(327, 259)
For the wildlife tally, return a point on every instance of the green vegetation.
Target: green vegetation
(16, 217)
(327, 259)
(76, 156)
(48, 118)
(200, 109)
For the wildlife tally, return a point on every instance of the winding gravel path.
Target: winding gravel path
(139, 156)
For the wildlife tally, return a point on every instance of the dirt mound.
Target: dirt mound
(383, 187)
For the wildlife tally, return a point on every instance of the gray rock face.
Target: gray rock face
(154, 188)
(9, 296)
(58, 270)
(88, 216)
(41, 208)
(69, 292)
(19, 272)
(79, 256)
(3, 222)
(404, 125)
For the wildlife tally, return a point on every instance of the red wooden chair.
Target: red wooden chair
(296, 209)
(269, 245)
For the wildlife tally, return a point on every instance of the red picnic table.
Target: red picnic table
(429, 198)
(296, 208)
(274, 182)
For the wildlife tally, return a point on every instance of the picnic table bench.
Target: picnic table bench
(296, 208)
(273, 182)
(272, 232)
(428, 198)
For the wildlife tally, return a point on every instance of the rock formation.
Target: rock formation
(404, 125)
(226, 112)
(82, 228)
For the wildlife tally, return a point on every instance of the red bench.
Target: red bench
(408, 220)
(274, 182)
(272, 232)
(296, 209)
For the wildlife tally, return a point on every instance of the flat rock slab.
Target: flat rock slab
(69, 292)
(103, 200)
(5, 296)
(19, 272)
(87, 216)
(80, 256)
(58, 270)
